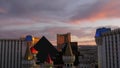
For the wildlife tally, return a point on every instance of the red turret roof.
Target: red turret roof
(49, 60)
(33, 50)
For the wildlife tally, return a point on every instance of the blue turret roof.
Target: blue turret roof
(28, 38)
(99, 31)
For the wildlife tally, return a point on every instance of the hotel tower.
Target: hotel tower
(108, 42)
(61, 40)
(16, 53)
(11, 53)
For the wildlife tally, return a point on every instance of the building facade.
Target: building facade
(88, 56)
(61, 40)
(11, 53)
(15, 53)
(108, 42)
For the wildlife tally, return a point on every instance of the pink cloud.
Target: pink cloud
(97, 11)
(24, 16)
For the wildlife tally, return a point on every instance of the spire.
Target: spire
(68, 51)
(28, 54)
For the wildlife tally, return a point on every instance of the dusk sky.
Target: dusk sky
(50, 17)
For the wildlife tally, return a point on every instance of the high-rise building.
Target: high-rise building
(61, 40)
(108, 42)
(16, 53)
(11, 52)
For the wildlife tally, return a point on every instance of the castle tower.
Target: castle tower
(68, 57)
(28, 59)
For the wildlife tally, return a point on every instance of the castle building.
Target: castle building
(108, 42)
(68, 56)
(28, 60)
(62, 45)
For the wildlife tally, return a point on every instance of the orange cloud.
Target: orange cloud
(91, 42)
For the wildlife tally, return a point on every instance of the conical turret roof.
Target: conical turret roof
(33, 50)
(68, 51)
(28, 54)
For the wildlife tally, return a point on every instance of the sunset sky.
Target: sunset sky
(50, 17)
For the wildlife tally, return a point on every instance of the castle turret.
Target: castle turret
(29, 58)
(68, 57)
